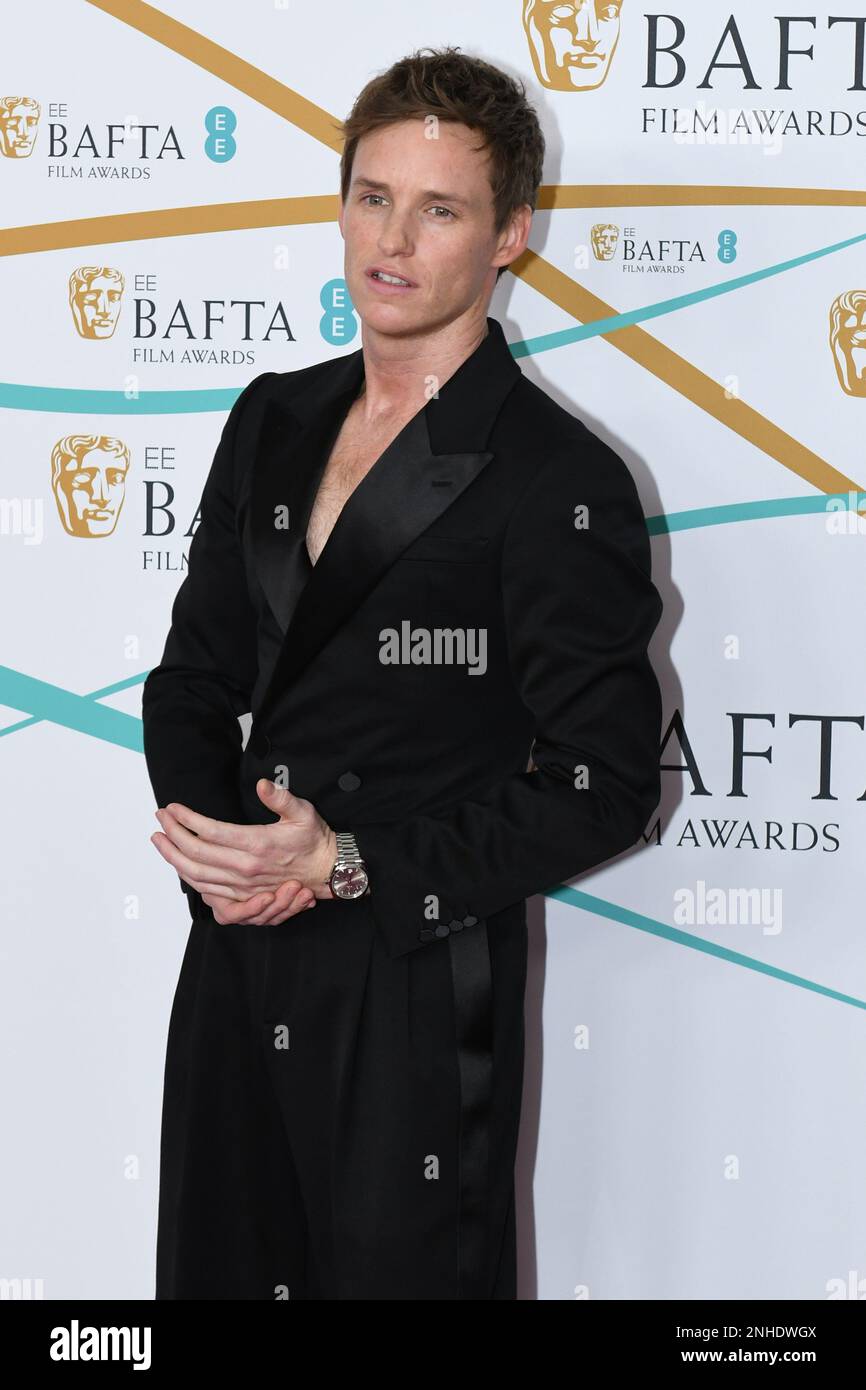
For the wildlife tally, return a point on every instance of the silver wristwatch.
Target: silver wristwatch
(348, 878)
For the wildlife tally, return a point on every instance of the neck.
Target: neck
(402, 372)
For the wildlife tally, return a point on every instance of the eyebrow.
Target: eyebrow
(428, 193)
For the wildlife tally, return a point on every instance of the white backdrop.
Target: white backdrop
(693, 1111)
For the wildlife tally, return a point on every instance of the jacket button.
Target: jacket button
(455, 924)
(349, 782)
(469, 921)
(426, 934)
(443, 929)
(261, 743)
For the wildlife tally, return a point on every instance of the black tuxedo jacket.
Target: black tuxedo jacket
(470, 521)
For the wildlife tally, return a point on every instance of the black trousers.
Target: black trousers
(338, 1124)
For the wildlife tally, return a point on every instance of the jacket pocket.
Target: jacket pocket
(457, 550)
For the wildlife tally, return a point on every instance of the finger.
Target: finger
(195, 873)
(287, 904)
(301, 903)
(281, 897)
(294, 911)
(233, 914)
(283, 802)
(214, 893)
(220, 893)
(233, 906)
(236, 867)
(291, 902)
(284, 895)
(214, 832)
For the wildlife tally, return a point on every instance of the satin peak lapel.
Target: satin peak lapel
(404, 492)
(407, 489)
(298, 425)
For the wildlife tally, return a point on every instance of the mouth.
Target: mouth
(386, 283)
(583, 60)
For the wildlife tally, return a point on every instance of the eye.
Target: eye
(438, 207)
(365, 196)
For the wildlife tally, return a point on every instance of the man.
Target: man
(414, 568)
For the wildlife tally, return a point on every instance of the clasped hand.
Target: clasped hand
(259, 874)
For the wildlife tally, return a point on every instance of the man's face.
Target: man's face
(572, 44)
(422, 208)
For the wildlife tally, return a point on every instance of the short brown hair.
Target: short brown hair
(455, 87)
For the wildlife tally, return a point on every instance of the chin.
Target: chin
(391, 318)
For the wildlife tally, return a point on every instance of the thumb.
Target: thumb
(275, 797)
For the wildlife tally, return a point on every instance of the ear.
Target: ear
(513, 239)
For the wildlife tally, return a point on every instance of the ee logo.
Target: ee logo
(727, 247)
(338, 323)
(219, 123)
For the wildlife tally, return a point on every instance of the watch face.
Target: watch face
(349, 881)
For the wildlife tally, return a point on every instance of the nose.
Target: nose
(394, 234)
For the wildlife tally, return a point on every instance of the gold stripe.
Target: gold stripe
(324, 207)
(668, 195)
(228, 67)
(667, 366)
(193, 221)
(661, 361)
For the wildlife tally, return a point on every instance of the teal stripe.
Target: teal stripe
(547, 341)
(63, 399)
(601, 908)
(71, 711)
(70, 400)
(748, 511)
(82, 713)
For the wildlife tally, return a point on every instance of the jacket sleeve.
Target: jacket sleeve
(580, 609)
(192, 700)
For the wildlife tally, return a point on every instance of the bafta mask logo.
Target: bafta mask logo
(88, 479)
(94, 298)
(572, 45)
(19, 122)
(848, 341)
(605, 239)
